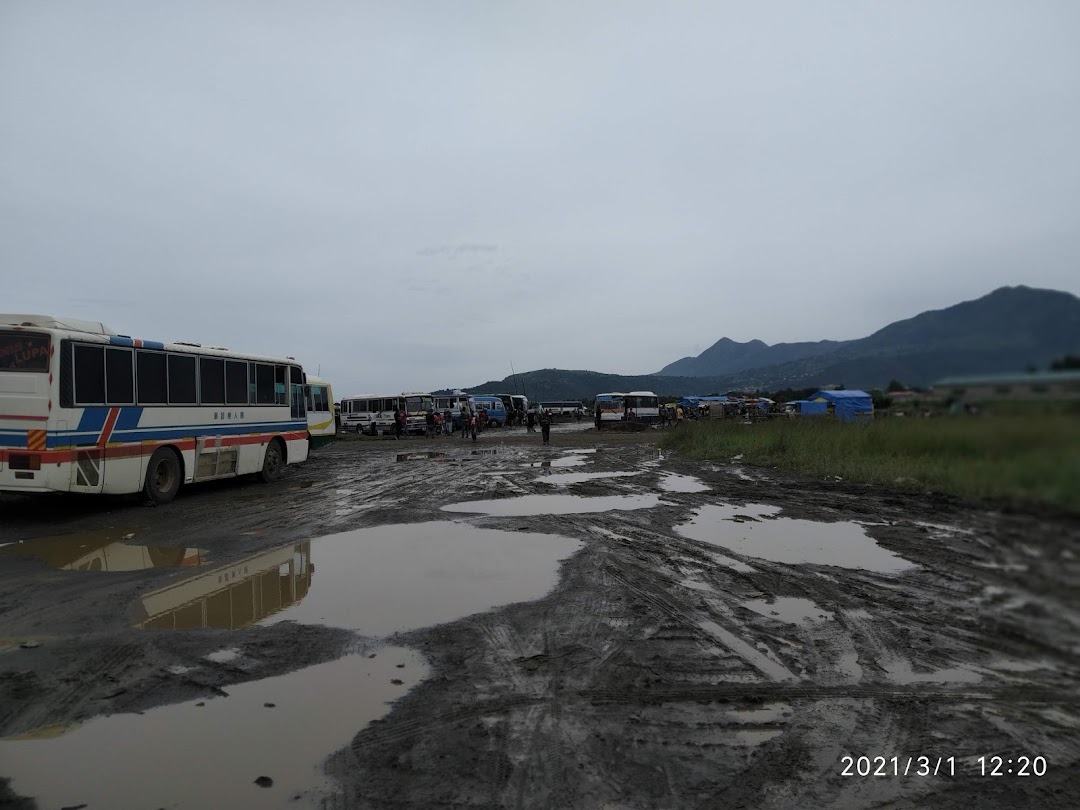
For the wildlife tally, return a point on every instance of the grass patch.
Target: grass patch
(998, 457)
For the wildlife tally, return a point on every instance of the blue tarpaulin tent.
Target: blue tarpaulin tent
(850, 406)
(808, 408)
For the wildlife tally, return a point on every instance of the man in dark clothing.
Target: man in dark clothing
(430, 419)
(531, 420)
(399, 426)
(545, 425)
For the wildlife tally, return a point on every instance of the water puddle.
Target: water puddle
(582, 451)
(555, 505)
(431, 454)
(208, 753)
(562, 479)
(388, 578)
(789, 609)
(490, 452)
(754, 530)
(564, 461)
(232, 596)
(102, 550)
(682, 483)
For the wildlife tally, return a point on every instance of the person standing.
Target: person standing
(545, 426)
(678, 415)
(447, 422)
(397, 423)
(530, 421)
(464, 422)
(429, 420)
(474, 423)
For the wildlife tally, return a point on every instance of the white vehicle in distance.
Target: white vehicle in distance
(320, 412)
(375, 413)
(566, 408)
(644, 404)
(609, 407)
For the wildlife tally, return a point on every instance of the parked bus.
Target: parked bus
(644, 404)
(513, 404)
(493, 406)
(609, 408)
(374, 413)
(562, 407)
(83, 409)
(322, 428)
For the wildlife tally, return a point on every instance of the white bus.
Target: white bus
(644, 404)
(374, 413)
(609, 407)
(561, 407)
(83, 409)
(322, 427)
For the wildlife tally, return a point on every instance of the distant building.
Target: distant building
(1034, 385)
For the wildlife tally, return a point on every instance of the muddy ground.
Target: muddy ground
(668, 667)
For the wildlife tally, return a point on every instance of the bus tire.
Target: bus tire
(162, 476)
(273, 462)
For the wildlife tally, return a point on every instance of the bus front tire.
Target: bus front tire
(162, 476)
(273, 462)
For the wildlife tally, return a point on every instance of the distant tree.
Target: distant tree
(881, 402)
(1069, 362)
(895, 385)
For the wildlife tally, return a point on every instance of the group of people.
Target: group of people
(471, 422)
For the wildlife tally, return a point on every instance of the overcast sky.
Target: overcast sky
(416, 195)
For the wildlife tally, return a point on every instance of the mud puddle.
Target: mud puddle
(682, 483)
(380, 580)
(555, 505)
(563, 479)
(754, 530)
(789, 609)
(563, 461)
(208, 753)
(102, 550)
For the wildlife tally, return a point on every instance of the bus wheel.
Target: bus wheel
(162, 476)
(273, 462)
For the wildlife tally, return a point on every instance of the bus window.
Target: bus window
(151, 378)
(119, 376)
(22, 351)
(211, 381)
(236, 389)
(181, 379)
(89, 375)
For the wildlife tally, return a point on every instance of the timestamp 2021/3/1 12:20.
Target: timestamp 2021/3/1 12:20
(943, 766)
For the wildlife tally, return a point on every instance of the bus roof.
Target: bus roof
(52, 322)
(612, 394)
(641, 394)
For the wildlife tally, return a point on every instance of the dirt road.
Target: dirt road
(661, 633)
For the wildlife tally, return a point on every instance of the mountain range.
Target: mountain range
(1010, 329)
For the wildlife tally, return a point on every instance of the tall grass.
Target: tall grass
(1012, 458)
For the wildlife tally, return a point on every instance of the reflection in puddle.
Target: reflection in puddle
(555, 505)
(752, 530)
(682, 483)
(790, 609)
(102, 550)
(564, 461)
(420, 456)
(562, 479)
(198, 757)
(231, 596)
(380, 580)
